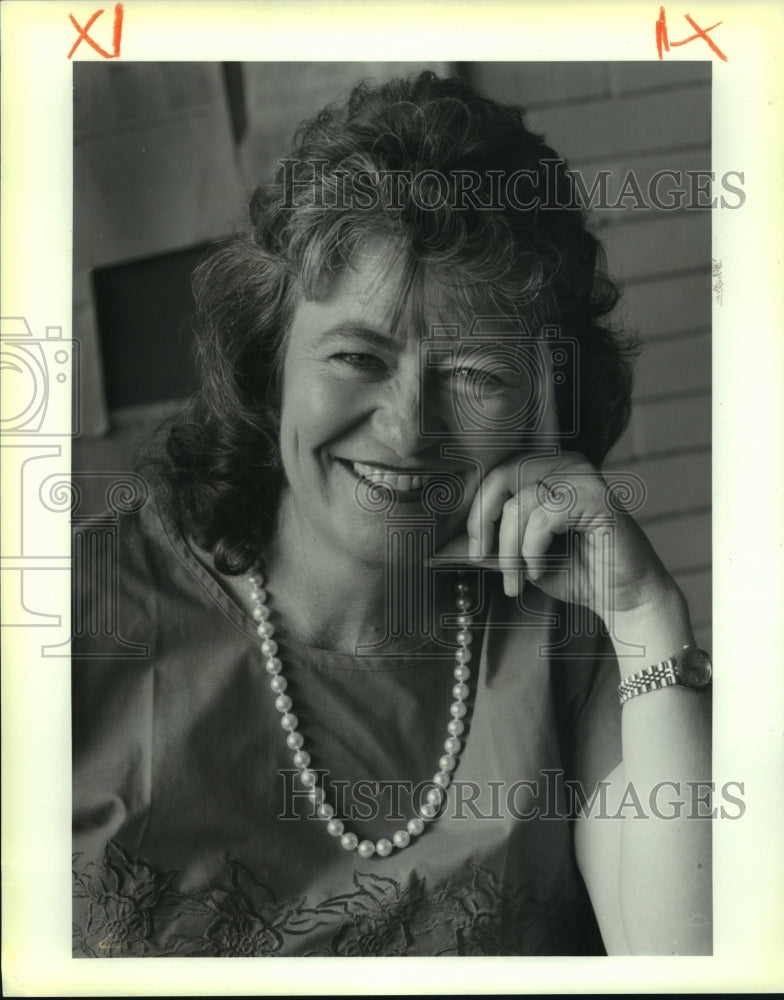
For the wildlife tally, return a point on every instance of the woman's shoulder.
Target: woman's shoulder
(137, 586)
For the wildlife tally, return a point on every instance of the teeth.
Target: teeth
(401, 483)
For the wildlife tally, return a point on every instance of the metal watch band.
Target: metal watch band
(660, 675)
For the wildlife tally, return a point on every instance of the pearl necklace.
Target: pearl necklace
(301, 758)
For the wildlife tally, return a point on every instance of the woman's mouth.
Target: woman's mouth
(407, 486)
(400, 482)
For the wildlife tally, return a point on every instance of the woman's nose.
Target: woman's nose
(397, 417)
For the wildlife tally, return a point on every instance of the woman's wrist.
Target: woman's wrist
(660, 627)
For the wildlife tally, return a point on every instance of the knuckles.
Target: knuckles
(564, 481)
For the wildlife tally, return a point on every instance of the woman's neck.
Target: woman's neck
(327, 598)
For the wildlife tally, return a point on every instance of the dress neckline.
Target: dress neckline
(241, 620)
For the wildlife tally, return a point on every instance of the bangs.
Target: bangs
(433, 290)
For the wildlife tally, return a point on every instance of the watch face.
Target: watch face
(695, 667)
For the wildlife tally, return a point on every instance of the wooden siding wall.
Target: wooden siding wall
(646, 117)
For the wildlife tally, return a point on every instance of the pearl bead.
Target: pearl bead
(349, 841)
(401, 838)
(434, 798)
(459, 691)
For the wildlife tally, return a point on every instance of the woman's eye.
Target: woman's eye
(476, 379)
(367, 363)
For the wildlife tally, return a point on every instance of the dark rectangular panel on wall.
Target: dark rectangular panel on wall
(145, 314)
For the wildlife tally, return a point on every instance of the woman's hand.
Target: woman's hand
(607, 564)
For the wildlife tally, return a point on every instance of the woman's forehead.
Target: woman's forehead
(387, 287)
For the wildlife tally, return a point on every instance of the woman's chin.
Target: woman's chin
(382, 541)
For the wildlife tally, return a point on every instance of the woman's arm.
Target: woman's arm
(649, 876)
(649, 871)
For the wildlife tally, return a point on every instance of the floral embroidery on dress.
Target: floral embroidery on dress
(125, 899)
(374, 920)
(124, 908)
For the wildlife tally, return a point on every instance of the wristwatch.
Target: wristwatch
(689, 667)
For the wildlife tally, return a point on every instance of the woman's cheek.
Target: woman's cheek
(333, 403)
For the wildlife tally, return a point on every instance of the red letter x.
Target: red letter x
(84, 37)
(663, 42)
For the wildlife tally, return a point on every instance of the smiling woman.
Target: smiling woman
(355, 400)
(392, 607)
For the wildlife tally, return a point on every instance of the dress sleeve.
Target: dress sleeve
(112, 689)
(112, 743)
(589, 716)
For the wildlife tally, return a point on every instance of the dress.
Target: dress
(191, 838)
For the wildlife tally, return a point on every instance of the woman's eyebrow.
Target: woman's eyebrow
(370, 335)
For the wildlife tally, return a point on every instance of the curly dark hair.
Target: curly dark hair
(223, 475)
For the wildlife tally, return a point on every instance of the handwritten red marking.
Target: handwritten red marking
(703, 34)
(661, 33)
(663, 43)
(85, 37)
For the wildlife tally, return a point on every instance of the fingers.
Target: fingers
(537, 538)
(504, 481)
(509, 550)
(526, 532)
(528, 501)
(494, 490)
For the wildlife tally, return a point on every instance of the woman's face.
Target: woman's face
(371, 413)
